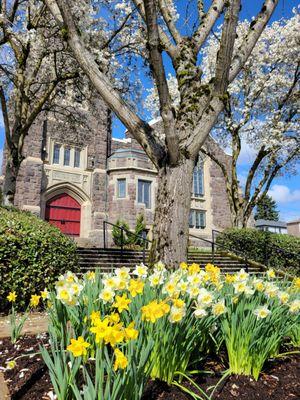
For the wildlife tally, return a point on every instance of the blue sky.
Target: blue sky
(285, 190)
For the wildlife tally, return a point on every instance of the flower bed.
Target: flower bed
(111, 335)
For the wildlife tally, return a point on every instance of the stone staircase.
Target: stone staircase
(109, 259)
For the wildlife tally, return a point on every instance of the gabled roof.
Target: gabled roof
(265, 222)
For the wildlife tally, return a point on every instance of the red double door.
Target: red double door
(64, 212)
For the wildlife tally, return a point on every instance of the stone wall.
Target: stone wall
(219, 202)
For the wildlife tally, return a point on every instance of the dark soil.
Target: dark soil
(29, 380)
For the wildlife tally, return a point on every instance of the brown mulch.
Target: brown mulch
(29, 380)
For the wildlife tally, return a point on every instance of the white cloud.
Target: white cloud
(283, 194)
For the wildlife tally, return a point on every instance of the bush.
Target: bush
(33, 254)
(283, 251)
(129, 238)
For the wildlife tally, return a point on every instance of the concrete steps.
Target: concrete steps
(109, 259)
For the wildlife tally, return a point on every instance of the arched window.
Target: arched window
(198, 179)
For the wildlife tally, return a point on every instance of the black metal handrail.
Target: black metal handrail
(122, 229)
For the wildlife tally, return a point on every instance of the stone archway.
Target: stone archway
(73, 197)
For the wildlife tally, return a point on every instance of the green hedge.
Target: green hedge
(33, 254)
(283, 250)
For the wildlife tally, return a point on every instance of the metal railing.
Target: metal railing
(143, 238)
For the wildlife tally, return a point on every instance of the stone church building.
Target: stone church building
(76, 181)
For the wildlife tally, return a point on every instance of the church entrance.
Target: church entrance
(64, 212)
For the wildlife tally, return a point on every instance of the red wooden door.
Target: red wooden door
(64, 212)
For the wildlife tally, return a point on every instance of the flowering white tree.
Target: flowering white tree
(33, 65)
(175, 149)
(261, 112)
(38, 74)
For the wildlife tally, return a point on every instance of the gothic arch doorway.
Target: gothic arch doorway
(72, 197)
(64, 212)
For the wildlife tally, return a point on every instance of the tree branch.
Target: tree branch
(138, 128)
(157, 66)
(171, 49)
(5, 117)
(259, 157)
(255, 30)
(207, 21)
(224, 56)
(164, 6)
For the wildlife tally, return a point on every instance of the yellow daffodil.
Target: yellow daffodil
(114, 318)
(283, 297)
(136, 287)
(121, 303)
(90, 275)
(295, 306)
(114, 334)
(130, 332)
(154, 310)
(179, 303)
(95, 316)
(229, 278)
(193, 269)
(296, 283)
(10, 364)
(123, 273)
(261, 312)
(12, 297)
(78, 347)
(107, 295)
(34, 300)
(45, 294)
(100, 329)
(176, 314)
(219, 308)
(183, 266)
(121, 360)
(271, 273)
(141, 271)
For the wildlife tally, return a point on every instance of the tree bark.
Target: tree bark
(171, 219)
(12, 169)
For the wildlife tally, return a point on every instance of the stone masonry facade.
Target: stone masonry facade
(109, 178)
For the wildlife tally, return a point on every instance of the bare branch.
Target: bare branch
(156, 62)
(5, 116)
(225, 52)
(256, 163)
(171, 49)
(207, 21)
(164, 7)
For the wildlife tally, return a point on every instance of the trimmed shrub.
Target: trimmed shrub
(33, 254)
(276, 250)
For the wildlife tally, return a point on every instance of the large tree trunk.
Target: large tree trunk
(12, 169)
(171, 220)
